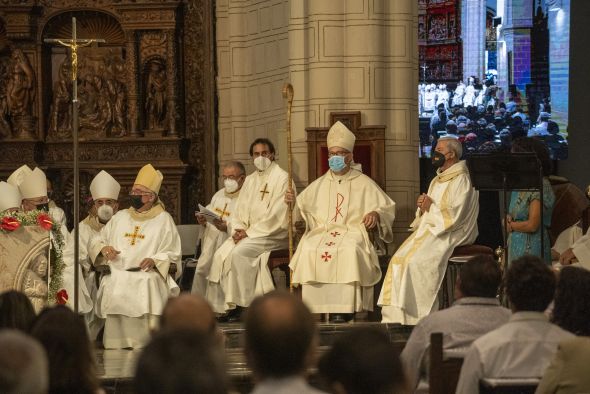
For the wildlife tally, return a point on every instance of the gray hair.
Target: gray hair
(23, 364)
(454, 145)
(236, 164)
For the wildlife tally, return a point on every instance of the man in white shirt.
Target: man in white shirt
(523, 347)
(476, 312)
(214, 233)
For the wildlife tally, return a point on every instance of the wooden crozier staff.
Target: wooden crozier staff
(288, 94)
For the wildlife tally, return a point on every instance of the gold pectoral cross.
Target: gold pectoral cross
(264, 191)
(222, 212)
(135, 235)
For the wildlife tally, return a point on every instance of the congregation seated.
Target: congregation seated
(23, 364)
(568, 372)
(523, 347)
(72, 366)
(280, 343)
(363, 361)
(475, 313)
(16, 311)
(179, 361)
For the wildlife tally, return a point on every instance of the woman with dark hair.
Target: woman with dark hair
(524, 213)
(71, 362)
(16, 311)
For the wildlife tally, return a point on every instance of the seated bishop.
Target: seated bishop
(446, 217)
(139, 244)
(239, 270)
(10, 198)
(336, 263)
(216, 231)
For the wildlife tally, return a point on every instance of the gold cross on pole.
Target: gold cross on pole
(264, 191)
(74, 43)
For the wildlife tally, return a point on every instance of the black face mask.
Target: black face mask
(438, 159)
(43, 207)
(135, 202)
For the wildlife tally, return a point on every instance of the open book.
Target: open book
(209, 215)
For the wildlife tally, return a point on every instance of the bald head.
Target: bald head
(279, 335)
(188, 311)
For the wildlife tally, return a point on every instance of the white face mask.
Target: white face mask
(105, 212)
(231, 185)
(262, 163)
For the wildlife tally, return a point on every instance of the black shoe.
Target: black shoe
(235, 315)
(339, 318)
(221, 318)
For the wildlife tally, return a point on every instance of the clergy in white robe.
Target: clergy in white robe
(335, 262)
(579, 252)
(239, 270)
(446, 218)
(139, 244)
(217, 231)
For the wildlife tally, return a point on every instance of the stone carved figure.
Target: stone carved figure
(60, 114)
(155, 96)
(35, 283)
(115, 85)
(5, 129)
(20, 94)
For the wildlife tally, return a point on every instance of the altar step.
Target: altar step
(116, 367)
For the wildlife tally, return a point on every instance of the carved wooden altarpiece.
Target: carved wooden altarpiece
(146, 95)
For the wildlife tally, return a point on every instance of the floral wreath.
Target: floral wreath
(10, 221)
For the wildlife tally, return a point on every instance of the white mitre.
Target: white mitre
(104, 186)
(34, 184)
(9, 196)
(17, 177)
(339, 135)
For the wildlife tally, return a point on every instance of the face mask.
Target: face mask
(231, 185)
(105, 213)
(336, 163)
(438, 159)
(135, 201)
(43, 207)
(262, 163)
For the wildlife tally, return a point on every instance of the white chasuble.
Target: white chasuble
(136, 293)
(239, 272)
(417, 268)
(211, 238)
(336, 249)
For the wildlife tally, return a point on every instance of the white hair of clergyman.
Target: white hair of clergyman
(454, 145)
(23, 364)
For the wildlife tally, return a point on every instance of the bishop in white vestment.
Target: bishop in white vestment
(335, 261)
(239, 271)
(139, 243)
(215, 233)
(446, 217)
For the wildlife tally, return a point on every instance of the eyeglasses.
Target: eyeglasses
(234, 177)
(339, 153)
(139, 193)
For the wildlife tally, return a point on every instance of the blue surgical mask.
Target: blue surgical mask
(336, 163)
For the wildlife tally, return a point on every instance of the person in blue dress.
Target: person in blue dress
(524, 213)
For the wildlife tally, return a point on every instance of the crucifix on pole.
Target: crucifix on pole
(73, 44)
(424, 67)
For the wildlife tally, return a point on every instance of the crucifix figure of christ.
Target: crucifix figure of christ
(73, 44)
(424, 67)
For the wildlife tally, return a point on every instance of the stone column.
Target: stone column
(132, 70)
(559, 56)
(171, 71)
(473, 34)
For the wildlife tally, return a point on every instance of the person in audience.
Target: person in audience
(571, 309)
(336, 263)
(446, 217)
(475, 312)
(524, 217)
(190, 311)
(568, 371)
(217, 231)
(23, 364)
(139, 244)
(363, 361)
(10, 198)
(178, 362)
(523, 347)
(280, 343)
(16, 311)
(69, 351)
(239, 270)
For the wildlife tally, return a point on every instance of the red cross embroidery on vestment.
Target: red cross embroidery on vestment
(330, 243)
(326, 256)
(334, 234)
